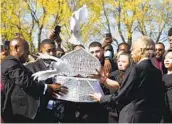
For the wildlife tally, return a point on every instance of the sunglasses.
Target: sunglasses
(158, 49)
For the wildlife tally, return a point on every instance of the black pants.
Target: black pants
(16, 119)
(45, 116)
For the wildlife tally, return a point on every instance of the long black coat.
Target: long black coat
(141, 96)
(21, 91)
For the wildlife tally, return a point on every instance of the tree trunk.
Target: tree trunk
(119, 23)
(39, 37)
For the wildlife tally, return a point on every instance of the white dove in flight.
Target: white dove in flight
(59, 68)
(78, 17)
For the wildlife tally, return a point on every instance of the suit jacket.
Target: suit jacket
(34, 67)
(62, 110)
(21, 91)
(141, 96)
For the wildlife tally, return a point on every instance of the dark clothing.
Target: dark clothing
(21, 91)
(34, 67)
(62, 111)
(117, 76)
(44, 115)
(113, 111)
(167, 79)
(141, 96)
(159, 64)
(91, 113)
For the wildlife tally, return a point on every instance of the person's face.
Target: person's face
(49, 49)
(168, 61)
(123, 48)
(170, 41)
(97, 52)
(135, 53)
(108, 40)
(159, 51)
(123, 62)
(3, 53)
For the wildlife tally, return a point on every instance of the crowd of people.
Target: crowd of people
(136, 81)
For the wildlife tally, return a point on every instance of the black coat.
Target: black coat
(113, 111)
(34, 67)
(141, 96)
(21, 91)
(164, 70)
(167, 78)
(63, 111)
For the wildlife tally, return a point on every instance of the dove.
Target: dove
(59, 67)
(78, 17)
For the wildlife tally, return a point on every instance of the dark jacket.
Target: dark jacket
(167, 79)
(164, 70)
(63, 111)
(141, 96)
(113, 111)
(21, 91)
(37, 66)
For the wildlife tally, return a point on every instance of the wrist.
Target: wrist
(104, 79)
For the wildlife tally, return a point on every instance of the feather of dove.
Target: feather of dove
(46, 56)
(78, 17)
(60, 67)
(43, 75)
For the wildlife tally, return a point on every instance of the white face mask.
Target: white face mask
(108, 54)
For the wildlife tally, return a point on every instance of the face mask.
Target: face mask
(108, 54)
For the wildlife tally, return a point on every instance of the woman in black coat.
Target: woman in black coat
(124, 62)
(167, 78)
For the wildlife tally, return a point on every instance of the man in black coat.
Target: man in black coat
(51, 111)
(141, 96)
(158, 59)
(22, 93)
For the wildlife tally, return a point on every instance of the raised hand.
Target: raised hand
(52, 35)
(107, 66)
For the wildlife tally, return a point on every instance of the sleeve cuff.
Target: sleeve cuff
(45, 88)
(50, 104)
